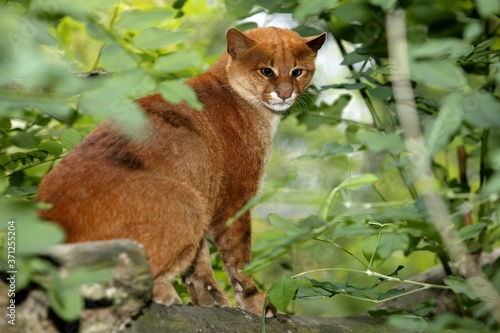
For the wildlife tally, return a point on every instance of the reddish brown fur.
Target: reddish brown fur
(191, 172)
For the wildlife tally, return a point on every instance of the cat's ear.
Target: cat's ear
(315, 42)
(238, 42)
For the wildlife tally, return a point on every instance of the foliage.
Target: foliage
(45, 110)
(453, 59)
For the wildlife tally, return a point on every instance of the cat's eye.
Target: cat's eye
(296, 72)
(267, 72)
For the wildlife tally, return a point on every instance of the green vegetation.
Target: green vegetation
(378, 195)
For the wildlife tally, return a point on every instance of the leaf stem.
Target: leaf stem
(368, 272)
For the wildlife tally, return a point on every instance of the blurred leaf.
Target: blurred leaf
(270, 250)
(140, 19)
(25, 140)
(177, 92)
(472, 231)
(356, 12)
(453, 48)
(438, 73)
(332, 149)
(377, 141)
(481, 109)
(460, 286)
(51, 147)
(273, 187)
(352, 183)
(5, 123)
(353, 58)
(282, 292)
(70, 138)
(67, 303)
(4, 183)
(447, 122)
(64, 36)
(312, 7)
(381, 92)
(33, 235)
(406, 323)
(239, 8)
(386, 5)
(357, 181)
(114, 58)
(369, 247)
(103, 4)
(155, 38)
(425, 308)
(487, 8)
(178, 61)
(391, 242)
(78, 276)
(290, 227)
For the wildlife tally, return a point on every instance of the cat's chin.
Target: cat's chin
(278, 106)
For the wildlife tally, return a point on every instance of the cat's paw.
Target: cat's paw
(255, 304)
(164, 293)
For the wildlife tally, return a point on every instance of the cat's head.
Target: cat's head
(271, 66)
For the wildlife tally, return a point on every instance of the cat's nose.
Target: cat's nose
(284, 94)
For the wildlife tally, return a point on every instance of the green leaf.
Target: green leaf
(381, 92)
(369, 247)
(355, 12)
(66, 302)
(357, 181)
(290, 227)
(239, 8)
(441, 48)
(177, 92)
(332, 149)
(34, 238)
(51, 147)
(64, 36)
(391, 242)
(4, 183)
(79, 276)
(352, 183)
(386, 5)
(447, 122)
(114, 58)
(5, 123)
(70, 138)
(155, 38)
(423, 309)
(482, 109)
(472, 231)
(353, 58)
(312, 7)
(378, 141)
(441, 73)
(487, 8)
(405, 323)
(24, 140)
(178, 61)
(33, 234)
(460, 286)
(103, 4)
(282, 292)
(140, 19)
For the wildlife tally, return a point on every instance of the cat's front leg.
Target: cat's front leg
(201, 283)
(234, 244)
